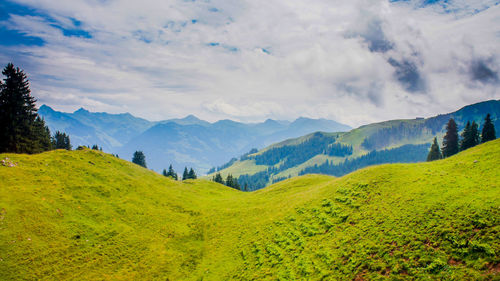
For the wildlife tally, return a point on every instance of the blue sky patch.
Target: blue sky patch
(14, 38)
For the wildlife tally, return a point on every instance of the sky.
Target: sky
(356, 61)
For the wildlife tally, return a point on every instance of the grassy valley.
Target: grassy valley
(87, 215)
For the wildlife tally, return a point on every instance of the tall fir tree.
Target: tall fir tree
(164, 173)
(185, 175)
(41, 136)
(22, 131)
(139, 158)
(474, 132)
(466, 141)
(450, 140)
(488, 133)
(192, 174)
(434, 153)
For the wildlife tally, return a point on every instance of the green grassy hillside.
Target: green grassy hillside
(416, 134)
(85, 215)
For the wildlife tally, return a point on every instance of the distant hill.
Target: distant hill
(396, 141)
(182, 142)
(86, 215)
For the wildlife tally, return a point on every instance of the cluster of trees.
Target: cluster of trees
(293, 155)
(230, 181)
(256, 181)
(96, 147)
(61, 141)
(171, 173)
(470, 137)
(404, 154)
(23, 131)
(189, 174)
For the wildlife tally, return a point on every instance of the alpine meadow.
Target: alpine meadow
(249, 140)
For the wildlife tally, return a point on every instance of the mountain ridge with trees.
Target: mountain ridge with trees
(388, 138)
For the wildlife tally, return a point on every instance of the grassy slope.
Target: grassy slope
(475, 112)
(354, 138)
(87, 215)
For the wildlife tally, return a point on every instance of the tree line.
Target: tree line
(470, 137)
(409, 153)
(23, 130)
(230, 181)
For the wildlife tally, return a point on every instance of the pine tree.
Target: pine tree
(232, 182)
(218, 178)
(474, 132)
(165, 173)
(41, 136)
(488, 132)
(171, 172)
(139, 158)
(229, 180)
(185, 175)
(22, 131)
(61, 141)
(192, 174)
(434, 153)
(450, 140)
(466, 141)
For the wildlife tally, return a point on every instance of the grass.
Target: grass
(89, 216)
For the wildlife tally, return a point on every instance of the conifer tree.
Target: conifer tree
(434, 153)
(192, 174)
(164, 173)
(488, 132)
(41, 136)
(171, 173)
(218, 178)
(232, 182)
(22, 131)
(229, 180)
(139, 158)
(61, 141)
(465, 142)
(450, 140)
(474, 131)
(185, 175)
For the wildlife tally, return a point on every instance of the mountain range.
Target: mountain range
(182, 142)
(339, 153)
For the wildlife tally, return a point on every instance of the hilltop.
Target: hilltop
(182, 142)
(394, 141)
(87, 215)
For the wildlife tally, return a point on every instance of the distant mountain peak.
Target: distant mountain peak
(81, 110)
(191, 117)
(45, 109)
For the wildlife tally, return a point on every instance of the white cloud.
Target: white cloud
(268, 59)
